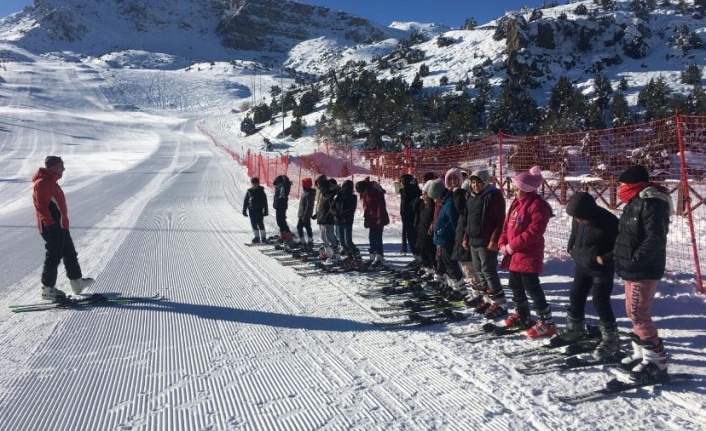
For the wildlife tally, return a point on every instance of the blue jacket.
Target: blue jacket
(445, 226)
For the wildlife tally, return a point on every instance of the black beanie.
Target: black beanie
(634, 174)
(52, 161)
(429, 176)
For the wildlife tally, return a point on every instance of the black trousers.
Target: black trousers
(304, 223)
(257, 222)
(281, 217)
(602, 285)
(409, 235)
(523, 284)
(59, 246)
(446, 265)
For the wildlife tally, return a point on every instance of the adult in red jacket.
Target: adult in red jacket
(375, 216)
(522, 247)
(53, 224)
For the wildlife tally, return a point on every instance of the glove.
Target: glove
(266, 214)
(366, 224)
(245, 213)
(313, 217)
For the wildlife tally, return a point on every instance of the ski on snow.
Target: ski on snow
(592, 333)
(566, 364)
(488, 331)
(82, 301)
(416, 319)
(615, 386)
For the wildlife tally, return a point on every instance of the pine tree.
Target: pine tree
(656, 99)
(692, 75)
(620, 111)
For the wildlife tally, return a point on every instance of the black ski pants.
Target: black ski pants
(601, 282)
(59, 246)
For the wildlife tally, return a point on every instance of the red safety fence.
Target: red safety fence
(672, 149)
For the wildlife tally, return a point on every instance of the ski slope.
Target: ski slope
(241, 342)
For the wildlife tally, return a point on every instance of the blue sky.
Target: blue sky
(449, 12)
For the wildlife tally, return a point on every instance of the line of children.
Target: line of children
(445, 224)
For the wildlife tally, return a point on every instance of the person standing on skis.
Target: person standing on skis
(255, 204)
(591, 242)
(52, 217)
(640, 256)
(522, 247)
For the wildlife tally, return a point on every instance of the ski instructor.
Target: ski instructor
(53, 224)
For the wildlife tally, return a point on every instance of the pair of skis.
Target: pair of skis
(489, 331)
(614, 387)
(83, 301)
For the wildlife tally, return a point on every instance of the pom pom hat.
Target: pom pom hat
(307, 183)
(529, 181)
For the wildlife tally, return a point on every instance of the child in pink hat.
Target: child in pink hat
(522, 247)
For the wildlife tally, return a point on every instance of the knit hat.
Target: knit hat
(466, 184)
(425, 187)
(436, 189)
(529, 181)
(634, 174)
(254, 180)
(52, 161)
(453, 173)
(307, 183)
(481, 174)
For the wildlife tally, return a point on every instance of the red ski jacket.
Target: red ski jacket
(49, 201)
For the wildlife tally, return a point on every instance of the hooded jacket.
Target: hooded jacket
(374, 207)
(485, 216)
(282, 188)
(445, 226)
(255, 201)
(640, 251)
(49, 200)
(344, 205)
(596, 238)
(306, 203)
(409, 192)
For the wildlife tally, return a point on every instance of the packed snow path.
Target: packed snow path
(240, 342)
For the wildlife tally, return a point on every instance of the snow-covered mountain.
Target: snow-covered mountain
(193, 30)
(623, 39)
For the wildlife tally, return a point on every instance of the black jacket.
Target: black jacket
(459, 253)
(424, 217)
(640, 251)
(409, 193)
(344, 204)
(255, 201)
(282, 188)
(593, 239)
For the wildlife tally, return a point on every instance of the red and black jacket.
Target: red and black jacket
(49, 201)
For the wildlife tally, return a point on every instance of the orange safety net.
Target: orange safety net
(672, 149)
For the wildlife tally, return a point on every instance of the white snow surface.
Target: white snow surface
(241, 342)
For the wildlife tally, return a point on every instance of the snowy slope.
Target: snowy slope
(240, 341)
